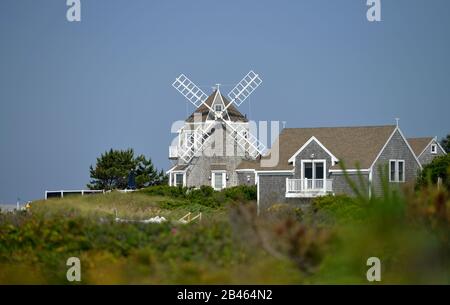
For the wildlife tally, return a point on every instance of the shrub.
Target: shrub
(439, 167)
(165, 190)
(205, 195)
(241, 193)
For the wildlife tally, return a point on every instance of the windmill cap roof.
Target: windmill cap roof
(233, 114)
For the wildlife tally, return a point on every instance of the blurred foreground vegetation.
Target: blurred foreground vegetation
(328, 241)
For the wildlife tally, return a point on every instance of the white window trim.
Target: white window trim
(173, 178)
(324, 161)
(396, 171)
(433, 149)
(224, 179)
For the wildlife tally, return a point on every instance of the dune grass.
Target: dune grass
(330, 242)
(134, 206)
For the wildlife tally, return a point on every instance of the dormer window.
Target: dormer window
(433, 148)
(218, 107)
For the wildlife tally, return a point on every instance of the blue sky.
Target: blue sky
(70, 91)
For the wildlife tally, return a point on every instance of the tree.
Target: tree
(445, 143)
(114, 167)
(438, 168)
(146, 173)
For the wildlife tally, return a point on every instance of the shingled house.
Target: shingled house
(216, 162)
(311, 161)
(302, 163)
(426, 149)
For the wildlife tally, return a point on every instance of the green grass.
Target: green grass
(135, 205)
(328, 243)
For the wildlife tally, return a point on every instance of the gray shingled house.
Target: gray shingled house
(216, 163)
(426, 149)
(311, 160)
(302, 163)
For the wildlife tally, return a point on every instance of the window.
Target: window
(401, 171)
(396, 171)
(218, 180)
(218, 107)
(308, 173)
(433, 148)
(392, 171)
(179, 179)
(319, 170)
(314, 169)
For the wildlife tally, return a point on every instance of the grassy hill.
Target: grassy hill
(327, 243)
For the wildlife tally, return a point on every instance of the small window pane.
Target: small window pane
(308, 170)
(392, 174)
(401, 171)
(218, 181)
(319, 170)
(179, 179)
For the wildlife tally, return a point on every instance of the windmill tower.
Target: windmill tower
(215, 138)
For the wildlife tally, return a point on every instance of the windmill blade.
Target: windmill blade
(246, 140)
(197, 142)
(244, 88)
(189, 90)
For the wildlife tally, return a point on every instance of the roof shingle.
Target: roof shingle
(353, 145)
(233, 113)
(419, 144)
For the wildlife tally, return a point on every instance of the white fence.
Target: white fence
(309, 185)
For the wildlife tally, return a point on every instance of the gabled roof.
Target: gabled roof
(233, 114)
(419, 144)
(178, 168)
(353, 145)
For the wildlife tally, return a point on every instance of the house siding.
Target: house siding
(242, 178)
(199, 171)
(396, 149)
(221, 148)
(426, 157)
(341, 186)
(272, 189)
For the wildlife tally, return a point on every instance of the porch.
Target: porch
(307, 188)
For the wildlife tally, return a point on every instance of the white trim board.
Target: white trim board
(172, 171)
(270, 172)
(365, 170)
(313, 138)
(244, 170)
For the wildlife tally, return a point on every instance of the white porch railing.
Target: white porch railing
(308, 186)
(173, 152)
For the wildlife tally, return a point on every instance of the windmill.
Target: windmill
(202, 133)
